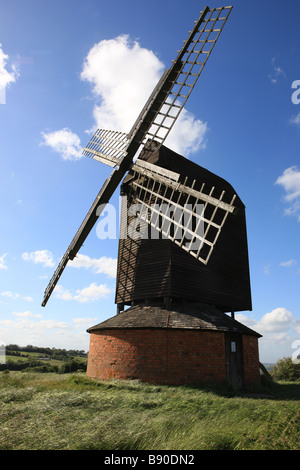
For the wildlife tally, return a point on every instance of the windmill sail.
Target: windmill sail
(190, 62)
(193, 57)
(107, 146)
(190, 218)
(155, 121)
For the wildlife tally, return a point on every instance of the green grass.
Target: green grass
(63, 412)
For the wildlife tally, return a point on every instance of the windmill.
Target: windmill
(155, 121)
(199, 250)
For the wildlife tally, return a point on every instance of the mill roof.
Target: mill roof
(162, 156)
(181, 316)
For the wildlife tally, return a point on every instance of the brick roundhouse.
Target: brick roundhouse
(190, 343)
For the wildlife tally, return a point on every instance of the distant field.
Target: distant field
(70, 411)
(32, 357)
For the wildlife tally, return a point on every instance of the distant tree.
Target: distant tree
(72, 365)
(285, 369)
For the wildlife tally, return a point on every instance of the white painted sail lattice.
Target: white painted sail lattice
(190, 218)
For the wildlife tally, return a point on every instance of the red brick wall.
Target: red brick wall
(157, 356)
(251, 359)
(166, 356)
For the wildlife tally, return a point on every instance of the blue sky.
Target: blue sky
(68, 67)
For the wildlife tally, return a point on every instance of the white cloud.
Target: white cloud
(6, 77)
(122, 75)
(276, 73)
(84, 322)
(43, 257)
(41, 326)
(2, 262)
(10, 295)
(279, 320)
(278, 328)
(289, 263)
(87, 294)
(295, 119)
(103, 265)
(267, 269)
(92, 292)
(297, 326)
(242, 318)
(64, 142)
(188, 134)
(62, 293)
(14, 296)
(29, 328)
(290, 181)
(26, 314)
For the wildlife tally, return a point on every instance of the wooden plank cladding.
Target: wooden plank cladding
(157, 268)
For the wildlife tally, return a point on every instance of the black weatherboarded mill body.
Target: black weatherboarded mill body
(151, 268)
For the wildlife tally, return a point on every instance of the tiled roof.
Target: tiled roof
(185, 315)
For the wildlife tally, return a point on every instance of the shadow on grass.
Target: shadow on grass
(267, 389)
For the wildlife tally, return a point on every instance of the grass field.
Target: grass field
(70, 411)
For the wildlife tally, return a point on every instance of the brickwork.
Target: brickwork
(157, 356)
(166, 356)
(251, 359)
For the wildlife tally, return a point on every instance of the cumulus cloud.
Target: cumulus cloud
(122, 75)
(277, 72)
(84, 322)
(290, 181)
(43, 257)
(103, 265)
(6, 77)
(9, 294)
(289, 263)
(295, 119)
(14, 295)
(2, 262)
(26, 314)
(188, 134)
(26, 328)
(64, 142)
(267, 269)
(278, 328)
(29, 328)
(87, 294)
(24, 323)
(278, 320)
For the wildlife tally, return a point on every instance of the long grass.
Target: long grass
(64, 412)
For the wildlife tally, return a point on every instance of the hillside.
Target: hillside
(65, 411)
(41, 359)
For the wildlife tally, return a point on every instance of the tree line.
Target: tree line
(70, 361)
(47, 351)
